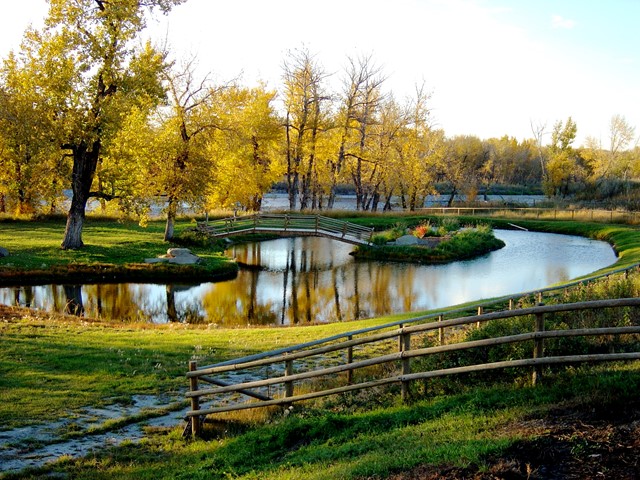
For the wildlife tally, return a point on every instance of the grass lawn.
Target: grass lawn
(113, 250)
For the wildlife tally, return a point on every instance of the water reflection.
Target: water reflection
(308, 280)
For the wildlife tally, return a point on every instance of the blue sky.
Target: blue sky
(493, 66)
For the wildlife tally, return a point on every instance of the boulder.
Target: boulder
(177, 256)
(407, 240)
(178, 252)
(4, 252)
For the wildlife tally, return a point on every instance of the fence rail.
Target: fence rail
(584, 214)
(404, 337)
(289, 224)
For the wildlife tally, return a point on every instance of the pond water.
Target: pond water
(312, 280)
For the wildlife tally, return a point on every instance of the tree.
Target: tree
(465, 159)
(180, 170)
(366, 98)
(30, 168)
(246, 149)
(562, 168)
(90, 69)
(421, 151)
(304, 98)
(362, 77)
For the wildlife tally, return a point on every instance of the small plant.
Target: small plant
(448, 225)
(422, 230)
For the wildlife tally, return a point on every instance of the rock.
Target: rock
(177, 256)
(178, 252)
(407, 240)
(183, 259)
(156, 260)
(4, 252)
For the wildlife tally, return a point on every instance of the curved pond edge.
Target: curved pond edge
(624, 240)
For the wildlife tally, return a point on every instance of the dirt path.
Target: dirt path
(37, 445)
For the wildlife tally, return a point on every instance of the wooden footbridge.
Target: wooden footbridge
(289, 225)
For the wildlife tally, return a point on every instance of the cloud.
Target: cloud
(558, 21)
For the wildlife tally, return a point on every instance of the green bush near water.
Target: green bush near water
(463, 245)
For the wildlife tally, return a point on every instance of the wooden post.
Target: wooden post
(539, 297)
(440, 331)
(538, 348)
(511, 304)
(288, 386)
(196, 429)
(405, 342)
(480, 312)
(350, 361)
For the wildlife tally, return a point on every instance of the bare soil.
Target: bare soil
(584, 442)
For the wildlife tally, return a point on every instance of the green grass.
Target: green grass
(463, 245)
(339, 441)
(51, 367)
(114, 250)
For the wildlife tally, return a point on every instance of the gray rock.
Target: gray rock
(407, 240)
(4, 252)
(178, 252)
(156, 260)
(182, 259)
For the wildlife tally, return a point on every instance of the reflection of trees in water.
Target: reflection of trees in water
(74, 305)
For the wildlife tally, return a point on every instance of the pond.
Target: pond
(314, 280)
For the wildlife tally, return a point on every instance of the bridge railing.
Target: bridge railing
(287, 223)
(296, 372)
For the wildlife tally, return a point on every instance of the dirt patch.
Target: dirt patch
(578, 443)
(36, 445)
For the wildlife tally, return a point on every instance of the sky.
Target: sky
(493, 67)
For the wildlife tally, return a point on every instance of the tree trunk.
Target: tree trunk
(85, 161)
(172, 210)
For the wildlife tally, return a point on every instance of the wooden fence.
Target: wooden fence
(302, 366)
(289, 224)
(582, 214)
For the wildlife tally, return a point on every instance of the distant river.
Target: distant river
(314, 280)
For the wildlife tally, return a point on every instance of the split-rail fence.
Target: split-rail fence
(298, 369)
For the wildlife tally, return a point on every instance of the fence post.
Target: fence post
(405, 346)
(440, 331)
(288, 386)
(195, 401)
(480, 312)
(538, 348)
(511, 304)
(350, 361)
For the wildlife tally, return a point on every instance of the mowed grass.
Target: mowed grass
(50, 367)
(37, 242)
(116, 248)
(347, 439)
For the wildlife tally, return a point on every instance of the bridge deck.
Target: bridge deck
(290, 225)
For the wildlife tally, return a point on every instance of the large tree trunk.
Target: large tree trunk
(85, 161)
(172, 210)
